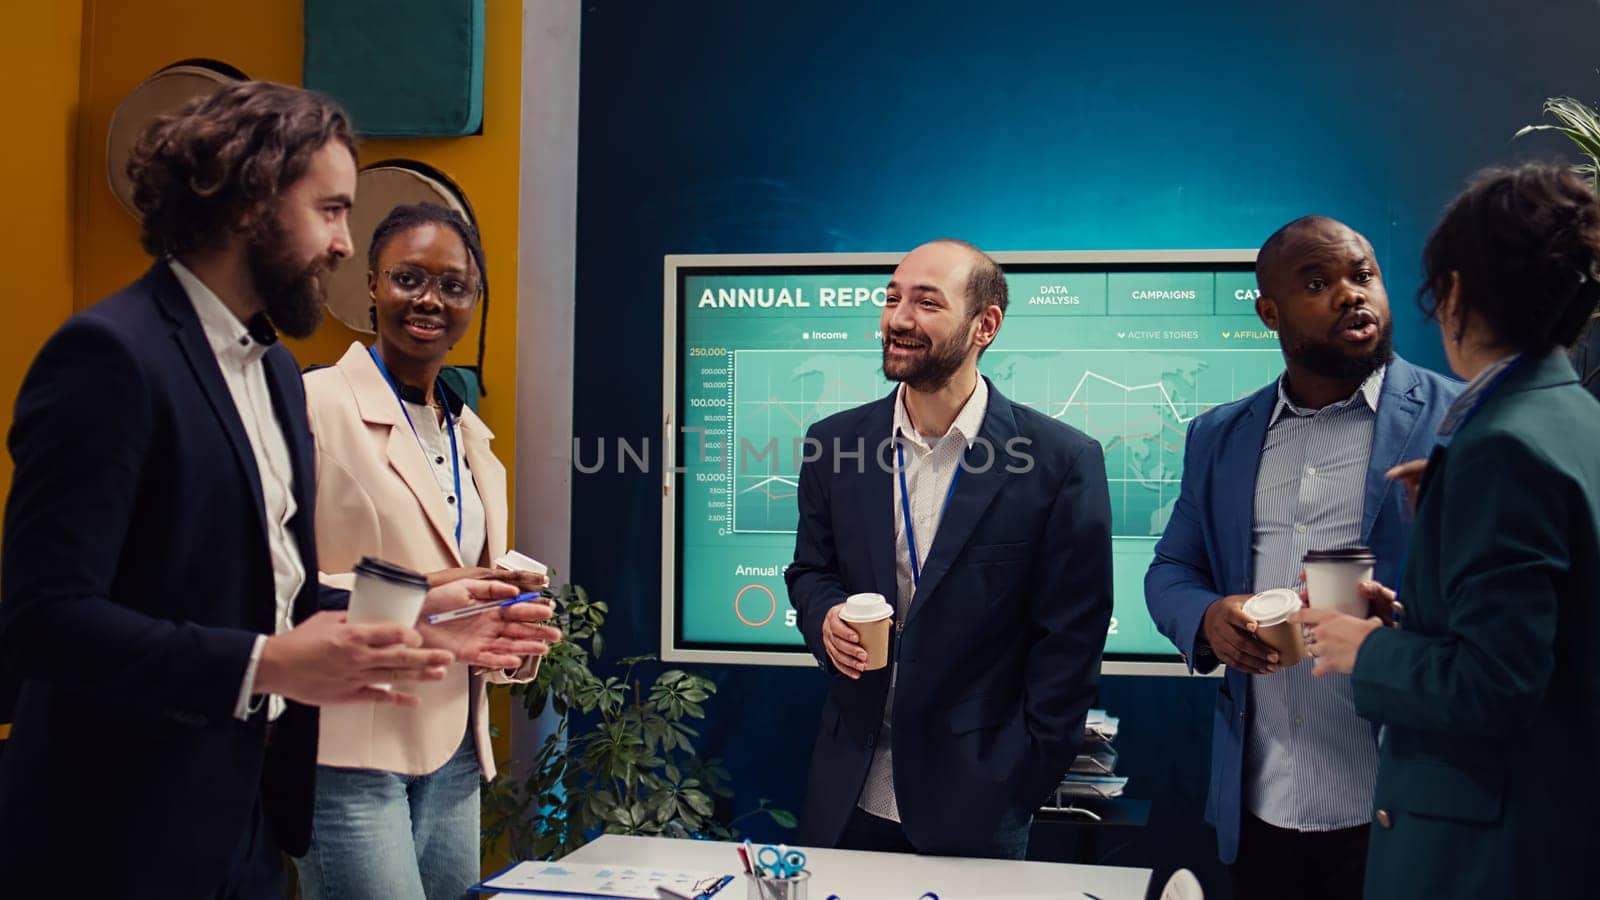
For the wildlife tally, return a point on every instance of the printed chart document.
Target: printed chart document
(578, 880)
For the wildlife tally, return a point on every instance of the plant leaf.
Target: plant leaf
(698, 801)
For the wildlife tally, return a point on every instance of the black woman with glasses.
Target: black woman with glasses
(405, 473)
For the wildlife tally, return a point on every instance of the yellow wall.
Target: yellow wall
(75, 244)
(126, 42)
(40, 54)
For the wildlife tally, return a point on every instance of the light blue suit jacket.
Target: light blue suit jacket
(1205, 552)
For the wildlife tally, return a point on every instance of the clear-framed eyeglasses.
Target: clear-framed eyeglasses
(454, 289)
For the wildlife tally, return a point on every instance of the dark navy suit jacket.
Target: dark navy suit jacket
(1000, 655)
(135, 579)
(1206, 551)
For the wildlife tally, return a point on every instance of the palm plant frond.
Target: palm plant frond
(1581, 125)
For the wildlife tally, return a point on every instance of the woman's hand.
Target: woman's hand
(523, 581)
(500, 638)
(1380, 601)
(1410, 475)
(1333, 638)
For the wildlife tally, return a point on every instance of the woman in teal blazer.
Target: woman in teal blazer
(1489, 695)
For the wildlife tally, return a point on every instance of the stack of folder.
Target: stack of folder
(1093, 772)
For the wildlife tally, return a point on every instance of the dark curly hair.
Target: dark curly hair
(198, 172)
(1525, 243)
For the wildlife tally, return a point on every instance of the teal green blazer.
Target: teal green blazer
(1489, 698)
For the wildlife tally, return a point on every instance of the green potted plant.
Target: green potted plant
(623, 758)
(1581, 124)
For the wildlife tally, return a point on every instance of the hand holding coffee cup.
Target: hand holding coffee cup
(843, 640)
(1232, 637)
(1333, 639)
(842, 644)
(524, 582)
(870, 616)
(1381, 602)
(386, 594)
(326, 659)
(1271, 609)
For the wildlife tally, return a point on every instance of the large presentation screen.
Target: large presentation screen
(1128, 346)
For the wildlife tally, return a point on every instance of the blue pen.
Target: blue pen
(465, 611)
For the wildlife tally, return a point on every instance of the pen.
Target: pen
(465, 611)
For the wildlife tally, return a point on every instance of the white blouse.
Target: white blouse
(436, 446)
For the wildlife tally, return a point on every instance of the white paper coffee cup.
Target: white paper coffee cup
(1333, 578)
(869, 616)
(386, 594)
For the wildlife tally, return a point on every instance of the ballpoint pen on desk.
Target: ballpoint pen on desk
(466, 611)
(702, 891)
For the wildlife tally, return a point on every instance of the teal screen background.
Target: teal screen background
(723, 127)
(1127, 353)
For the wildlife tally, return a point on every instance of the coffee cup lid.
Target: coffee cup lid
(1354, 554)
(866, 608)
(1273, 606)
(388, 571)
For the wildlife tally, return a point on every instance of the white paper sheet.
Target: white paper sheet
(627, 882)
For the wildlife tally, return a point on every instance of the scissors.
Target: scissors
(781, 861)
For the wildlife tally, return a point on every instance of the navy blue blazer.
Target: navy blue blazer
(135, 580)
(1205, 552)
(1000, 655)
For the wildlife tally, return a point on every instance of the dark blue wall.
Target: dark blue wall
(739, 127)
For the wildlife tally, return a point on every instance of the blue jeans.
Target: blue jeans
(383, 836)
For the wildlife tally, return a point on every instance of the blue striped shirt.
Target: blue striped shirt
(1310, 761)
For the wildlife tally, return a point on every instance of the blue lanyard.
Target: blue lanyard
(905, 509)
(450, 428)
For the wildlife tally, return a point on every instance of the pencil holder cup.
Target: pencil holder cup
(763, 887)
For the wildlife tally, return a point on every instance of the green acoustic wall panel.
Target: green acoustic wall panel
(401, 67)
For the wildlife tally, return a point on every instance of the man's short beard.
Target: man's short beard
(932, 372)
(1328, 362)
(290, 293)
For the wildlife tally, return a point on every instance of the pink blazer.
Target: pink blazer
(376, 496)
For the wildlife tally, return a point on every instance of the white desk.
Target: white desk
(855, 875)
